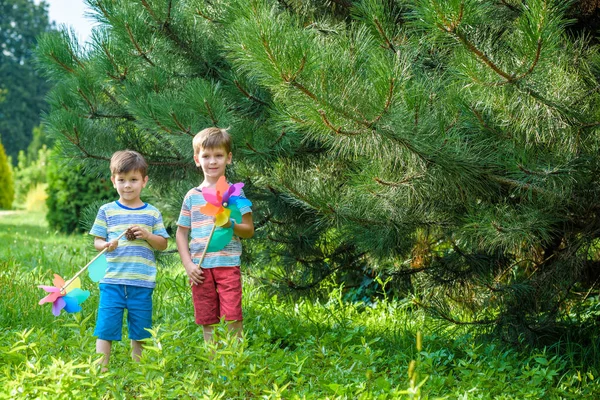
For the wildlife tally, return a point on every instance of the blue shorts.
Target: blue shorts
(114, 299)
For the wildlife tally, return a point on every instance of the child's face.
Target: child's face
(129, 185)
(213, 162)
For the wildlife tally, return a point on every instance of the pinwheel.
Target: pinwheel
(68, 295)
(222, 202)
(63, 298)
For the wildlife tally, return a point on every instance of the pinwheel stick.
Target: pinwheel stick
(207, 243)
(67, 283)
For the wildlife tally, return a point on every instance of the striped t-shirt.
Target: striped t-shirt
(200, 226)
(132, 262)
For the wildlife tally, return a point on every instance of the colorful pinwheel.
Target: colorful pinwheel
(222, 202)
(68, 295)
(68, 299)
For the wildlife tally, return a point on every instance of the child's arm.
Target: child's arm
(245, 230)
(101, 244)
(157, 242)
(192, 270)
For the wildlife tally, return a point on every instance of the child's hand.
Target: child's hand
(139, 232)
(111, 245)
(194, 273)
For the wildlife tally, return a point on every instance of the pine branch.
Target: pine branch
(141, 53)
(62, 65)
(278, 139)
(399, 183)
(484, 124)
(89, 103)
(338, 130)
(534, 63)
(161, 126)
(248, 95)
(248, 145)
(539, 173)
(187, 131)
(454, 321)
(166, 27)
(389, 44)
(206, 17)
(478, 53)
(293, 80)
(97, 115)
(388, 102)
(77, 142)
(111, 59)
(509, 6)
(519, 185)
(211, 113)
(77, 60)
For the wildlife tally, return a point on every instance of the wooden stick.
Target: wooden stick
(67, 283)
(206, 247)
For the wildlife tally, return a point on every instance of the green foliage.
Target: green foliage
(70, 191)
(307, 349)
(452, 145)
(6, 181)
(24, 89)
(29, 174)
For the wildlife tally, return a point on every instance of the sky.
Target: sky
(71, 13)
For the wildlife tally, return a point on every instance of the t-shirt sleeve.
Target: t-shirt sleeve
(245, 209)
(185, 215)
(99, 228)
(159, 226)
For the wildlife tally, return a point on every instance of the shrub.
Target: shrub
(29, 173)
(70, 191)
(6, 182)
(36, 198)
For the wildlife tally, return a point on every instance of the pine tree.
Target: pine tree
(453, 143)
(7, 192)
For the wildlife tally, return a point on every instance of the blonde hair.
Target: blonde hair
(126, 161)
(211, 138)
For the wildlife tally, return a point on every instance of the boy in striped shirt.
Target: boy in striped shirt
(216, 284)
(131, 272)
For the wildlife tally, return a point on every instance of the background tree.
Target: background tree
(21, 21)
(451, 142)
(6, 181)
(31, 169)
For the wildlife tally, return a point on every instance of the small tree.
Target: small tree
(7, 192)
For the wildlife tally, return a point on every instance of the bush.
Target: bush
(6, 182)
(70, 191)
(29, 173)
(36, 198)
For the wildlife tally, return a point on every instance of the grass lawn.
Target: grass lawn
(293, 349)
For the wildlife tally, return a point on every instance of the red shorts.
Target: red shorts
(219, 296)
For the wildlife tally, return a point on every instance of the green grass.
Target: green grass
(293, 349)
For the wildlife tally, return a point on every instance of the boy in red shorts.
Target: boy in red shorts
(216, 284)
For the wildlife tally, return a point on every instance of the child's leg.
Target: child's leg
(103, 347)
(136, 349)
(110, 319)
(206, 304)
(139, 318)
(229, 288)
(208, 332)
(236, 327)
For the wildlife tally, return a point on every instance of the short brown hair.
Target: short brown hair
(211, 138)
(125, 161)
